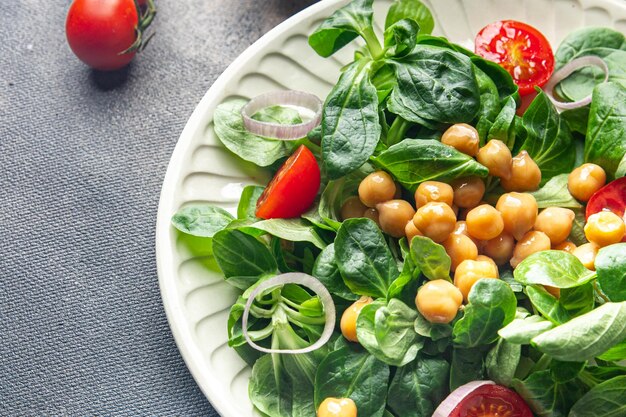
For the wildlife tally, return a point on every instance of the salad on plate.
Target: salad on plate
(443, 235)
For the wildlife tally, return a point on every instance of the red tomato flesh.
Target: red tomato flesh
(98, 31)
(521, 49)
(492, 401)
(293, 189)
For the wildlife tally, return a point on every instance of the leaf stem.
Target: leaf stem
(398, 129)
(290, 303)
(259, 312)
(275, 296)
(261, 334)
(300, 319)
(314, 147)
(599, 292)
(542, 363)
(587, 379)
(372, 43)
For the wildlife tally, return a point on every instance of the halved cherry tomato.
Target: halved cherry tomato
(521, 49)
(490, 401)
(293, 189)
(610, 197)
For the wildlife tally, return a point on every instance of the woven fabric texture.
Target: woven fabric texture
(82, 158)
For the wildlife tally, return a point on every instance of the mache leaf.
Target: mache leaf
(231, 131)
(554, 268)
(201, 220)
(364, 259)
(350, 122)
(610, 264)
(414, 161)
(411, 9)
(419, 387)
(342, 27)
(353, 373)
(586, 336)
(435, 85)
(491, 306)
(547, 139)
(605, 144)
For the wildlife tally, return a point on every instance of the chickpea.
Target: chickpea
(372, 214)
(438, 301)
(604, 228)
(411, 231)
(469, 271)
(483, 258)
(393, 216)
(530, 243)
(496, 156)
(553, 291)
(585, 180)
(484, 222)
(435, 220)
(433, 191)
(459, 247)
(566, 246)
(377, 187)
(468, 192)
(519, 212)
(586, 254)
(556, 222)
(500, 248)
(348, 319)
(352, 208)
(337, 407)
(460, 228)
(525, 174)
(462, 137)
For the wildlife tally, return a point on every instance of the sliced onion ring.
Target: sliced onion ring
(306, 281)
(565, 72)
(282, 98)
(458, 395)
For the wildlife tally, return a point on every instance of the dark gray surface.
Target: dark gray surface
(82, 158)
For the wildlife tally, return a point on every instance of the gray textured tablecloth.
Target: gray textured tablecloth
(82, 159)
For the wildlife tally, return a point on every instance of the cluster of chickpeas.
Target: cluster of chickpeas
(478, 236)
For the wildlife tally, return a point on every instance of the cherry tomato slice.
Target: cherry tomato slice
(492, 401)
(293, 189)
(610, 197)
(521, 49)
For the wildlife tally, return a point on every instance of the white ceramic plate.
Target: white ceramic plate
(196, 299)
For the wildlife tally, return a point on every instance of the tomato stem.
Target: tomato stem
(148, 16)
(145, 19)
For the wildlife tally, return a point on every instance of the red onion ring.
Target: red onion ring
(565, 72)
(304, 280)
(284, 98)
(458, 395)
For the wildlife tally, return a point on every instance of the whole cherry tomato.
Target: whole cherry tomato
(293, 189)
(106, 34)
(521, 49)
